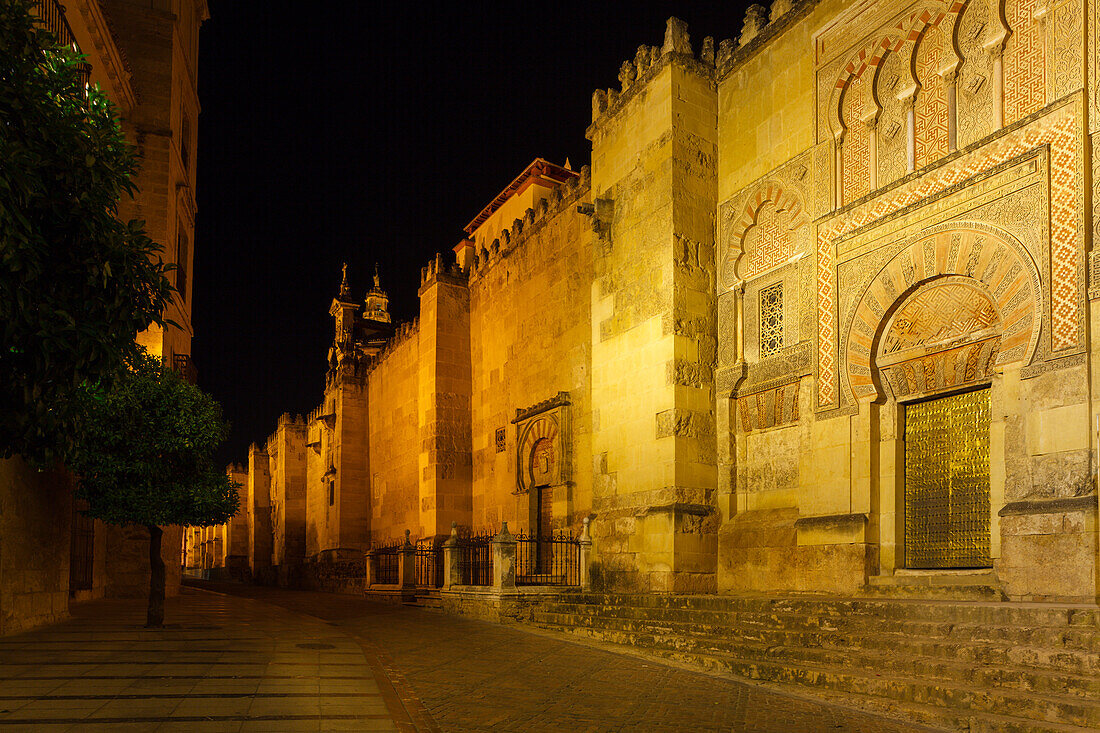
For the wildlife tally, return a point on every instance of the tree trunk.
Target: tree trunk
(155, 616)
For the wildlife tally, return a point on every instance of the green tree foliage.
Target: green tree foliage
(144, 454)
(76, 284)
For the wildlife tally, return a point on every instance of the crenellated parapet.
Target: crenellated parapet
(647, 63)
(404, 332)
(559, 199)
(437, 270)
(291, 421)
(760, 26)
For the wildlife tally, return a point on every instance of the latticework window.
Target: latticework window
(771, 320)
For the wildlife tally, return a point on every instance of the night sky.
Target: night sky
(367, 135)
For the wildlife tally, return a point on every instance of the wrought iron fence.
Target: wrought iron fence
(81, 548)
(475, 558)
(549, 560)
(385, 564)
(429, 563)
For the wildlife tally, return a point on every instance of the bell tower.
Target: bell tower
(377, 303)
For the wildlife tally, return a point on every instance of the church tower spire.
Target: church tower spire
(343, 311)
(377, 302)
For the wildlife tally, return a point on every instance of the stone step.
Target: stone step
(1006, 625)
(1050, 649)
(956, 700)
(851, 610)
(945, 592)
(901, 657)
(1063, 638)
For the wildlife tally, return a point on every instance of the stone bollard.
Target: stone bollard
(406, 577)
(368, 568)
(504, 559)
(583, 552)
(450, 559)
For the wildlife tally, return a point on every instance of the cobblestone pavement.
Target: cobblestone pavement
(221, 664)
(477, 676)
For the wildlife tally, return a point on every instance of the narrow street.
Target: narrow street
(265, 659)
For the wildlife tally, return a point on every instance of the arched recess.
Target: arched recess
(858, 97)
(945, 334)
(765, 234)
(929, 278)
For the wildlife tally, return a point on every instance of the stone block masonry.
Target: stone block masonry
(734, 340)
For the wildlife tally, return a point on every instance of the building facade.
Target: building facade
(143, 56)
(816, 318)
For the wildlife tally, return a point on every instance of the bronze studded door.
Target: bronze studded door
(947, 482)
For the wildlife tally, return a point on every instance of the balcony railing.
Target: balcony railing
(51, 15)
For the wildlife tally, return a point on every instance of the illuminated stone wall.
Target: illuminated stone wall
(709, 341)
(286, 450)
(654, 159)
(530, 338)
(393, 389)
(259, 511)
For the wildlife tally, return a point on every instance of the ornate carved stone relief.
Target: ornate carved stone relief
(1060, 132)
(544, 444)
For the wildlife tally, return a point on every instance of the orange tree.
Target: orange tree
(76, 283)
(144, 454)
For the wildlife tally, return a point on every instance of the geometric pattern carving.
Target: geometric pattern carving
(1059, 131)
(771, 320)
(974, 106)
(938, 314)
(992, 287)
(964, 365)
(893, 137)
(769, 408)
(1024, 61)
(769, 243)
(1064, 294)
(855, 147)
(931, 104)
(763, 237)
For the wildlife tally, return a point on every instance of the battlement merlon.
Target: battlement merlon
(439, 271)
(759, 27)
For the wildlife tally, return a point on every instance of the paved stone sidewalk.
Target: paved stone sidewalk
(222, 664)
(477, 676)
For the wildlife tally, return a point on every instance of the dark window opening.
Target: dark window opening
(181, 262)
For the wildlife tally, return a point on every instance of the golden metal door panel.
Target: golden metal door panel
(947, 482)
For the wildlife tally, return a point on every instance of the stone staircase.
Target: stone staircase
(954, 664)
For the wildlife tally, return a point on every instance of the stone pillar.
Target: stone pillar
(504, 559)
(583, 553)
(407, 569)
(368, 566)
(450, 559)
(444, 385)
(259, 507)
(655, 155)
